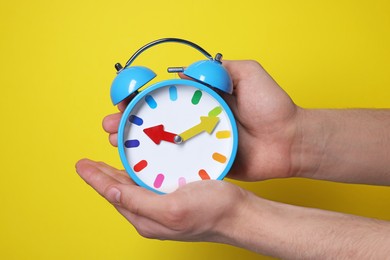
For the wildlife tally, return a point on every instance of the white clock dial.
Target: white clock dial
(166, 115)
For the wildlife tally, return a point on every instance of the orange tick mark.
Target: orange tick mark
(219, 157)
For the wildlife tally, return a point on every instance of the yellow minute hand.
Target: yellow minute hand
(207, 124)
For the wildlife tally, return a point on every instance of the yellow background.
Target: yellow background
(57, 62)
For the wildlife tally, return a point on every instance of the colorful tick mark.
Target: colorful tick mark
(136, 120)
(215, 111)
(150, 101)
(219, 157)
(182, 181)
(140, 166)
(223, 134)
(204, 175)
(196, 97)
(159, 180)
(132, 143)
(173, 93)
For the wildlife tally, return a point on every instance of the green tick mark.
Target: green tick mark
(196, 97)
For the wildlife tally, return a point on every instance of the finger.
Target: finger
(123, 104)
(113, 138)
(163, 209)
(252, 73)
(143, 202)
(92, 174)
(137, 200)
(233, 70)
(182, 76)
(111, 123)
(240, 69)
(119, 175)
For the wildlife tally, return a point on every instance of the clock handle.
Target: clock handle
(164, 40)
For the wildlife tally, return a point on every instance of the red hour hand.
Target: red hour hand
(157, 134)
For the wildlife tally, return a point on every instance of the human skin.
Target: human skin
(278, 139)
(198, 212)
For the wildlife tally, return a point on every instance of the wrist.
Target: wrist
(249, 227)
(342, 145)
(310, 143)
(288, 231)
(265, 227)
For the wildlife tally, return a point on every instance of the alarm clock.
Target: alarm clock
(175, 131)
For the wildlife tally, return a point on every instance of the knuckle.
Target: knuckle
(254, 64)
(107, 193)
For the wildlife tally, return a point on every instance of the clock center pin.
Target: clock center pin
(177, 139)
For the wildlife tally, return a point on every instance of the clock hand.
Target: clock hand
(207, 124)
(157, 134)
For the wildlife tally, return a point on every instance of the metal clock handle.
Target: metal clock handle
(163, 40)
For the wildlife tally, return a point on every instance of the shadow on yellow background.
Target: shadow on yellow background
(57, 62)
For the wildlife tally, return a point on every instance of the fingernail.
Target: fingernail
(114, 195)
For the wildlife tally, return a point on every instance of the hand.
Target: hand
(217, 211)
(198, 211)
(267, 122)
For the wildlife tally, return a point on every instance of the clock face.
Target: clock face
(176, 132)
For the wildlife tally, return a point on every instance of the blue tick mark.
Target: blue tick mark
(173, 93)
(131, 143)
(151, 102)
(136, 120)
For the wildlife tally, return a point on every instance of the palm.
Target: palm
(181, 215)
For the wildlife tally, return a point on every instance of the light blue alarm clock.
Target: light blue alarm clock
(175, 131)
